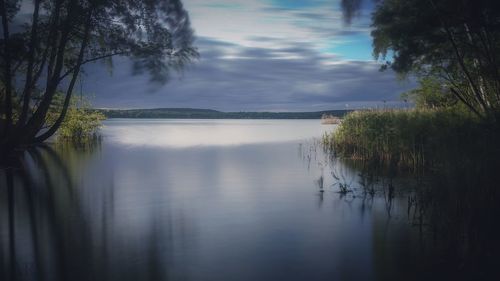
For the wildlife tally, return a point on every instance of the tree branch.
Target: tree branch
(457, 94)
(28, 87)
(90, 60)
(69, 91)
(460, 59)
(52, 39)
(57, 62)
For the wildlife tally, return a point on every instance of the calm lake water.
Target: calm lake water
(202, 200)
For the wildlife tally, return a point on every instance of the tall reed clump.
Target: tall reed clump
(410, 139)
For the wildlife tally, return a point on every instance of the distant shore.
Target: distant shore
(191, 113)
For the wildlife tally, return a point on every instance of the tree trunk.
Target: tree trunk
(7, 70)
(69, 91)
(38, 119)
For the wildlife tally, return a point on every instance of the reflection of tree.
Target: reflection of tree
(50, 235)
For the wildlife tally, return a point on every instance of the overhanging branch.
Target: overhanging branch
(68, 72)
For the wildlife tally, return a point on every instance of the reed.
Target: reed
(410, 139)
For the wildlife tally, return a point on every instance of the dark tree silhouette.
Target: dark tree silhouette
(454, 42)
(44, 54)
(457, 42)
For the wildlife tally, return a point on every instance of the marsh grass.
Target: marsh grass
(407, 139)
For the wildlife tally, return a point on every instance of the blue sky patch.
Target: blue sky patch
(354, 47)
(297, 4)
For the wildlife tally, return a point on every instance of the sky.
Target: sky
(262, 55)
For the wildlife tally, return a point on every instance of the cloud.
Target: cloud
(319, 22)
(230, 77)
(259, 55)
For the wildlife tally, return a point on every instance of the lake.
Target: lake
(205, 200)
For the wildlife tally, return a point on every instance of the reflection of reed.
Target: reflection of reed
(342, 176)
(455, 208)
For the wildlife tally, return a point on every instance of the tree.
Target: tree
(45, 54)
(350, 9)
(455, 41)
(432, 93)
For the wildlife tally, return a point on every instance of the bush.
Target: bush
(80, 124)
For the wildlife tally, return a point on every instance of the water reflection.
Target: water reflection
(50, 232)
(200, 132)
(453, 211)
(258, 211)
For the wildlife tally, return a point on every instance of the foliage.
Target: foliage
(350, 9)
(431, 94)
(43, 54)
(455, 41)
(80, 125)
(409, 139)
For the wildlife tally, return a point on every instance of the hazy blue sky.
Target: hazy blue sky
(277, 55)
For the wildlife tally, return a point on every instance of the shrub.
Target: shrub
(80, 124)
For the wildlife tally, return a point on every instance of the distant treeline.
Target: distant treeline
(190, 113)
